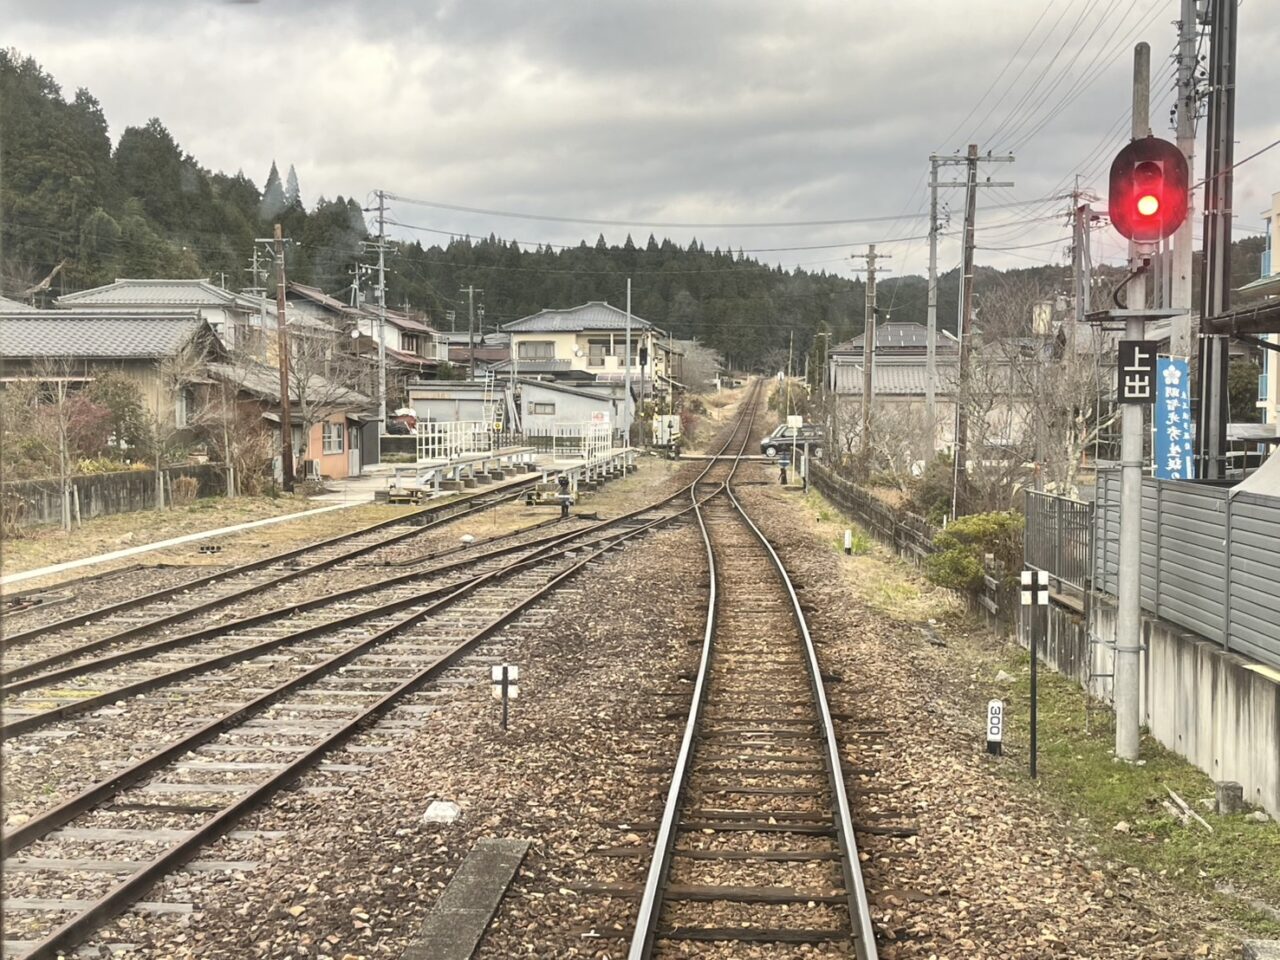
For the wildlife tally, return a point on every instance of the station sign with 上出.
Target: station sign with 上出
(1136, 371)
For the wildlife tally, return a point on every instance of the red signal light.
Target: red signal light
(1148, 196)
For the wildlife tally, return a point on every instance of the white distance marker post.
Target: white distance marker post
(995, 727)
(506, 686)
(1035, 594)
(848, 543)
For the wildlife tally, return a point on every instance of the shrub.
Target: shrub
(931, 492)
(963, 546)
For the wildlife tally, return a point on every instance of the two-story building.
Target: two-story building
(588, 342)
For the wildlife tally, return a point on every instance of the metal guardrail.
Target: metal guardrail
(1210, 561)
(1059, 538)
(910, 536)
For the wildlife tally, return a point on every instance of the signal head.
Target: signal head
(1148, 196)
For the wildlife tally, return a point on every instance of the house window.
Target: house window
(544, 408)
(597, 350)
(536, 350)
(183, 407)
(409, 342)
(332, 435)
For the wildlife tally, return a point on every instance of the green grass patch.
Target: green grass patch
(1079, 774)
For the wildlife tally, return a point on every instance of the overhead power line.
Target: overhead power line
(673, 225)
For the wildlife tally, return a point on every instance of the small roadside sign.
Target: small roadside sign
(995, 727)
(794, 420)
(506, 686)
(1035, 588)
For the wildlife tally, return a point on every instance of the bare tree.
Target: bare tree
(176, 405)
(323, 380)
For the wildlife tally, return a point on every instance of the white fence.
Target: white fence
(450, 439)
(581, 441)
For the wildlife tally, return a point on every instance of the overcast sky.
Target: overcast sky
(689, 111)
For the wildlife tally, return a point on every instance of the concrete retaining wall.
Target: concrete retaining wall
(103, 494)
(1216, 709)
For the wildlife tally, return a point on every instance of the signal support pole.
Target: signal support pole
(1128, 600)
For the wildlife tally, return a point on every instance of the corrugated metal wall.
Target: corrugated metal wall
(1192, 535)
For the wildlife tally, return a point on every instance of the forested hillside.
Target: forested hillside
(148, 209)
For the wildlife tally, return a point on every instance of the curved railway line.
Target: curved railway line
(756, 843)
(343, 673)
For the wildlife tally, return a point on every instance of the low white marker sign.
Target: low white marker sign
(995, 726)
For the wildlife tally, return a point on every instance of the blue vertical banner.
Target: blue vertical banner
(1173, 435)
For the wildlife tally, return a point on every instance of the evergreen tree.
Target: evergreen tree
(273, 201)
(291, 193)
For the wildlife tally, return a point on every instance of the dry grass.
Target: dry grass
(888, 587)
(46, 546)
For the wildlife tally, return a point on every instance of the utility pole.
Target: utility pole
(1132, 417)
(869, 350)
(960, 472)
(282, 332)
(1180, 333)
(965, 319)
(931, 342)
(626, 372)
(382, 313)
(1211, 426)
(1081, 263)
(471, 292)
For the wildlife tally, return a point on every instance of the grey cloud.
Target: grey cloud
(726, 110)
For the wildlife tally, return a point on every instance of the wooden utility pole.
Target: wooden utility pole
(965, 320)
(286, 417)
(869, 349)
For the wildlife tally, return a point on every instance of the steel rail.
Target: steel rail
(855, 887)
(126, 892)
(265, 616)
(664, 844)
(129, 890)
(645, 934)
(86, 704)
(473, 503)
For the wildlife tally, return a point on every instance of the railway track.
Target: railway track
(755, 848)
(92, 684)
(346, 675)
(204, 600)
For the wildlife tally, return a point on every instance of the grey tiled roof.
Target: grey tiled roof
(534, 366)
(895, 379)
(264, 381)
(595, 315)
(900, 336)
(14, 306)
(52, 333)
(157, 293)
